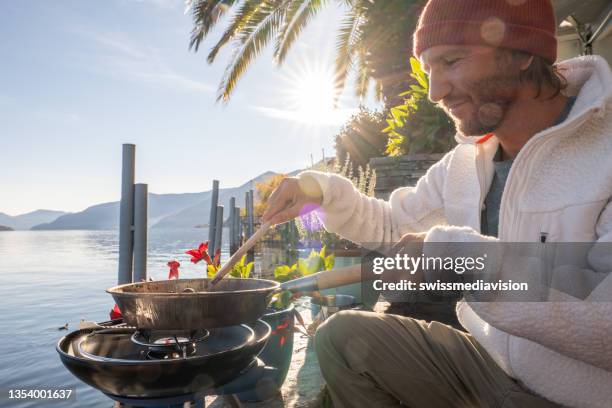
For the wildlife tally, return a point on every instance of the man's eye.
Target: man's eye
(451, 61)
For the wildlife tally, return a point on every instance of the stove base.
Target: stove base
(248, 380)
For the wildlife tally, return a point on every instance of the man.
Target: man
(533, 164)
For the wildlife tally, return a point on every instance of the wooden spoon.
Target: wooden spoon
(227, 267)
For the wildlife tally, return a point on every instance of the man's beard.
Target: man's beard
(491, 96)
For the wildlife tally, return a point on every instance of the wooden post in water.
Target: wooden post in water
(237, 227)
(251, 214)
(219, 228)
(231, 220)
(140, 232)
(126, 214)
(214, 202)
(250, 223)
(246, 215)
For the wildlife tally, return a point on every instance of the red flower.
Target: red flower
(200, 254)
(115, 313)
(174, 272)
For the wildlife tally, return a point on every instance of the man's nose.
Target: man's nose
(439, 87)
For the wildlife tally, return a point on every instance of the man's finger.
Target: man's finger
(278, 190)
(398, 248)
(286, 214)
(276, 202)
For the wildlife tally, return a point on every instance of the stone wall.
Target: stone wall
(401, 171)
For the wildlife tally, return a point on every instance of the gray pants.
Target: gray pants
(377, 360)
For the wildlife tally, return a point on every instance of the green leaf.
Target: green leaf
(302, 266)
(249, 268)
(281, 270)
(418, 73)
(282, 300)
(415, 65)
(242, 260)
(398, 112)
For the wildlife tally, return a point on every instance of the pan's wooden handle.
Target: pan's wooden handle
(339, 277)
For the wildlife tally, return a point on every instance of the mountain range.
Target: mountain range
(29, 220)
(164, 210)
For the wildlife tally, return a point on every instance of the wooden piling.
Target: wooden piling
(140, 232)
(246, 215)
(126, 214)
(237, 228)
(219, 228)
(214, 202)
(250, 223)
(232, 225)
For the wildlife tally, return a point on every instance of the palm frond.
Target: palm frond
(363, 75)
(348, 38)
(240, 19)
(255, 35)
(378, 91)
(294, 27)
(205, 14)
(292, 10)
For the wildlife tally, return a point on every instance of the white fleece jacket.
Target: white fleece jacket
(560, 185)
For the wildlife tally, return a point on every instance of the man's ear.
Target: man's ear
(526, 63)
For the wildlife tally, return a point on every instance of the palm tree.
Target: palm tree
(387, 37)
(366, 39)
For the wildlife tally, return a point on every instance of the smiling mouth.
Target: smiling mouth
(455, 106)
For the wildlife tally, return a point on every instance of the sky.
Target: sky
(80, 78)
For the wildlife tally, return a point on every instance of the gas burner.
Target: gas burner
(184, 351)
(167, 338)
(164, 344)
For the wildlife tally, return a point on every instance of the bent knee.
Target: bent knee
(339, 327)
(340, 322)
(347, 334)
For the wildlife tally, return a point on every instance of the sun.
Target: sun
(310, 95)
(314, 93)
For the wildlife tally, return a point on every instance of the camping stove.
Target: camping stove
(144, 367)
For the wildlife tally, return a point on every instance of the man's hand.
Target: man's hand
(290, 199)
(410, 244)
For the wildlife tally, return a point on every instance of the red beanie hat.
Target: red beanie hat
(526, 25)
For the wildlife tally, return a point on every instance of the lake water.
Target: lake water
(50, 278)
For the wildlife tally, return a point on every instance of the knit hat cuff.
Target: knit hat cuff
(492, 32)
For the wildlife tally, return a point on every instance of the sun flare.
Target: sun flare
(308, 97)
(314, 93)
